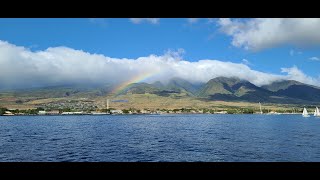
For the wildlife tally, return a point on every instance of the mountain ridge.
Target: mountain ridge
(236, 89)
(229, 89)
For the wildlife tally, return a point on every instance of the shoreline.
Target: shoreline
(152, 114)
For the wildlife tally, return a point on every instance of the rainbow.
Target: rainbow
(139, 78)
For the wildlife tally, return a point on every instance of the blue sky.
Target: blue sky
(117, 37)
(229, 40)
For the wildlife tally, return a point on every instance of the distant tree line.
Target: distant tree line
(228, 110)
(2, 110)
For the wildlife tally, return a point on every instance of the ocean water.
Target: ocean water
(160, 138)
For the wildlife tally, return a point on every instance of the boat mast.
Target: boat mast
(316, 112)
(260, 108)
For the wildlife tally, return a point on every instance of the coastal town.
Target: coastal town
(89, 107)
(132, 111)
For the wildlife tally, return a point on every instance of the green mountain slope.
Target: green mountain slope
(295, 90)
(181, 85)
(217, 89)
(232, 89)
(278, 85)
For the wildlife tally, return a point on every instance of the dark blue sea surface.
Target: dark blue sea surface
(160, 138)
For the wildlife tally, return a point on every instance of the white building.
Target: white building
(42, 112)
(116, 111)
(67, 113)
(53, 112)
(221, 112)
(8, 113)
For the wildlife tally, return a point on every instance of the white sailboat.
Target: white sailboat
(260, 108)
(305, 113)
(316, 112)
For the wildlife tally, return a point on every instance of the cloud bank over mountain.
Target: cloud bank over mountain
(21, 67)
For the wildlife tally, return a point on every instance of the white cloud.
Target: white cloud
(246, 62)
(294, 73)
(148, 20)
(192, 20)
(314, 59)
(175, 55)
(21, 67)
(293, 52)
(262, 33)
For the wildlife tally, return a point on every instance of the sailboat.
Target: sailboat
(316, 112)
(260, 108)
(305, 113)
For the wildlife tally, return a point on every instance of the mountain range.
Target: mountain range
(232, 89)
